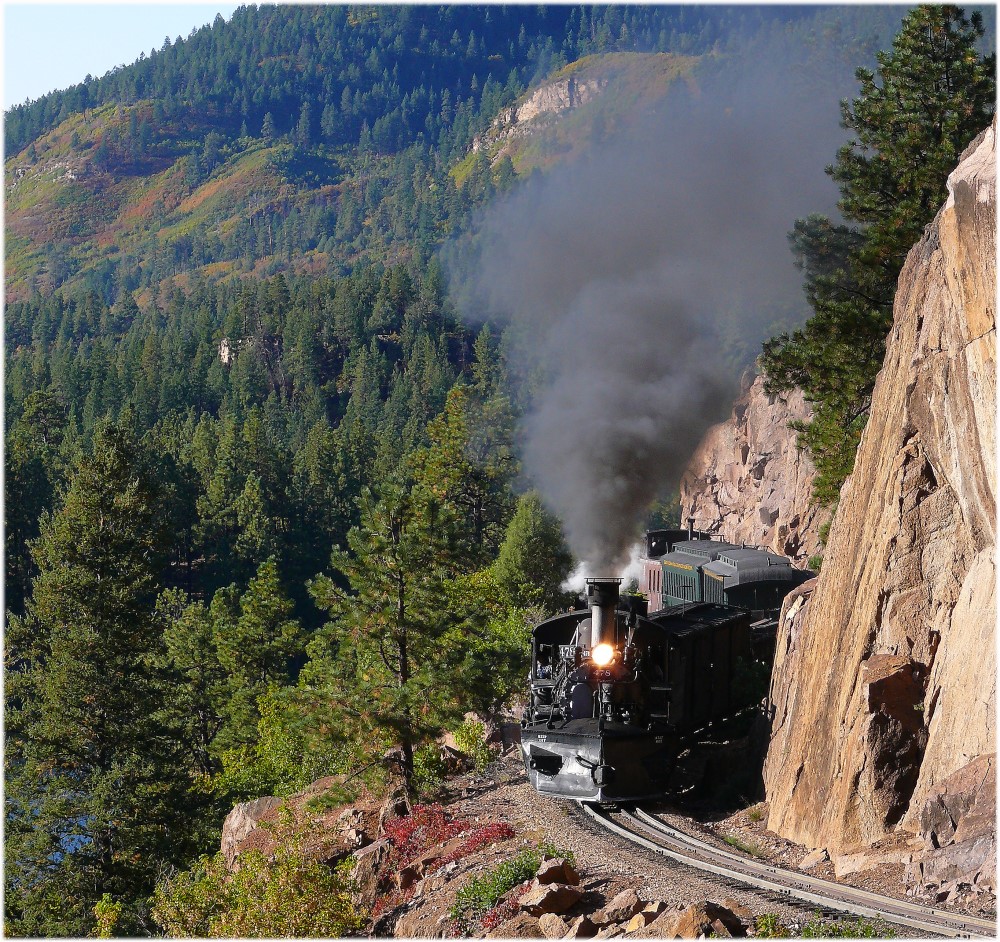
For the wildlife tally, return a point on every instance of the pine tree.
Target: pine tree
(198, 681)
(932, 95)
(534, 560)
(468, 468)
(380, 675)
(256, 639)
(96, 792)
(267, 130)
(34, 468)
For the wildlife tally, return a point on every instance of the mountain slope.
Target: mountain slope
(307, 139)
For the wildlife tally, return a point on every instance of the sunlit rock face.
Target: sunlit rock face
(750, 483)
(885, 678)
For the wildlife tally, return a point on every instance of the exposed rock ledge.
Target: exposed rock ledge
(548, 101)
(749, 482)
(885, 678)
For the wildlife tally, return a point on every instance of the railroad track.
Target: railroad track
(647, 831)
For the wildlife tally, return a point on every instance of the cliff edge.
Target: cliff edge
(885, 673)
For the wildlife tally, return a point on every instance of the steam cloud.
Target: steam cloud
(624, 271)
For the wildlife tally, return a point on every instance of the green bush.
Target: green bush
(746, 847)
(768, 926)
(482, 893)
(290, 895)
(470, 738)
(428, 771)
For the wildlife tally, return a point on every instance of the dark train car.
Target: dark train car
(616, 693)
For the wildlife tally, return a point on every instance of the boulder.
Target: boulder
(557, 870)
(702, 919)
(522, 926)
(368, 863)
(397, 805)
(639, 921)
(583, 927)
(241, 821)
(964, 801)
(431, 858)
(552, 926)
(549, 898)
(813, 859)
(622, 908)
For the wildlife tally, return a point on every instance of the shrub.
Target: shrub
(430, 826)
(481, 837)
(290, 895)
(428, 771)
(483, 893)
(107, 914)
(426, 826)
(767, 926)
(747, 848)
(470, 738)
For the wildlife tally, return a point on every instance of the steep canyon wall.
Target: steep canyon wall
(885, 674)
(749, 482)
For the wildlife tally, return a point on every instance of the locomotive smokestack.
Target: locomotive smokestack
(603, 595)
(690, 528)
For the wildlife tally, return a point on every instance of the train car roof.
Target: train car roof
(564, 622)
(692, 617)
(693, 553)
(744, 565)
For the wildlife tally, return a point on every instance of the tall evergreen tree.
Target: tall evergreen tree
(96, 793)
(379, 673)
(256, 639)
(534, 560)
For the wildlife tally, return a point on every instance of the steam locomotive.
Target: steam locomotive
(618, 692)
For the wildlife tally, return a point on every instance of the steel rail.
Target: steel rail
(817, 883)
(681, 847)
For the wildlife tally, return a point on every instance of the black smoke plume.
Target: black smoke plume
(636, 276)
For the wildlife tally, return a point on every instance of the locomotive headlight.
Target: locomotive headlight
(602, 655)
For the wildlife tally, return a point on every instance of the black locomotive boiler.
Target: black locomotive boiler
(617, 693)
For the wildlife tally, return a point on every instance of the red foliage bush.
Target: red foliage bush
(505, 909)
(425, 827)
(481, 837)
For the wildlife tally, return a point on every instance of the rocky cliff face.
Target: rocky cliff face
(547, 102)
(885, 673)
(749, 482)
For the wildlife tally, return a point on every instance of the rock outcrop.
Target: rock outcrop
(549, 101)
(749, 482)
(885, 673)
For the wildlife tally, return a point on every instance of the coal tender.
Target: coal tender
(616, 693)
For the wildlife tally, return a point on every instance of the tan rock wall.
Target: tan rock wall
(749, 482)
(908, 580)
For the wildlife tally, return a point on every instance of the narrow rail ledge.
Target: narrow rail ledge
(655, 835)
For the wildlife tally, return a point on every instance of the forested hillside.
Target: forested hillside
(265, 516)
(306, 139)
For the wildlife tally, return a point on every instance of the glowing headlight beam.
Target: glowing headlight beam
(602, 654)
